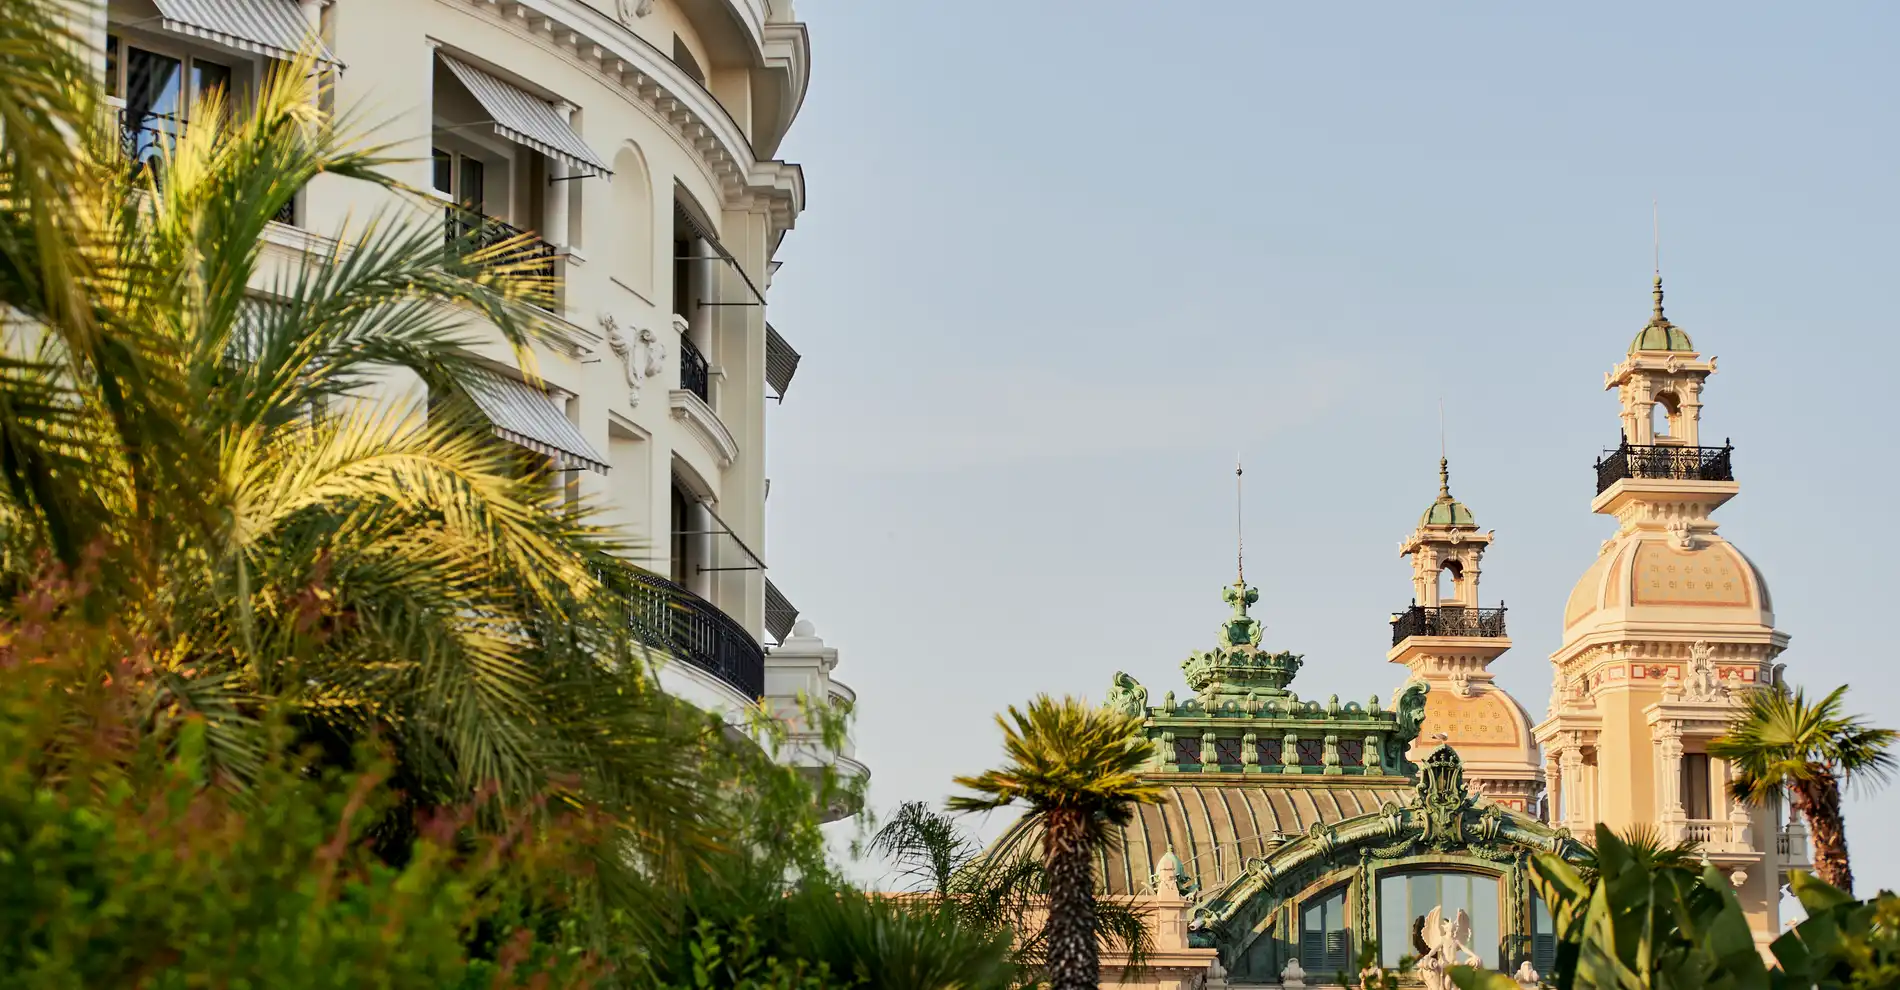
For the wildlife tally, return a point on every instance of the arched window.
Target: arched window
(1406, 898)
(633, 222)
(1662, 415)
(1325, 936)
(1448, 576)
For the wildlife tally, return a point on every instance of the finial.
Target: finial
(1444, 478)
(1656, 317)
(1240, 533)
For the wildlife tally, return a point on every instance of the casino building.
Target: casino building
(1298, 829)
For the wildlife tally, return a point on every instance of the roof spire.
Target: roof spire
(1444, 477)
(1656, 317)
(1240, 532)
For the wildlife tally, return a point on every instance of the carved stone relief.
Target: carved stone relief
(640, 359)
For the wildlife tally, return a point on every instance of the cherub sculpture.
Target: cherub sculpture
(1440, 941)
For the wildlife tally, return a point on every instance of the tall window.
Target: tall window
(1406, 898)
(1695, 786)
(1543, 947)
(1325, 937)
(161, 91)
(683, 562)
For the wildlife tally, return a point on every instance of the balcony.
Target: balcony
(1665, 462)
(1447, 620)
(667, 617)
(531, 258)
(695, 374)
(145, 139)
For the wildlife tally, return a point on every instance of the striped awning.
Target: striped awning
(781, 362)
(780, 613)
(274, 28)
(523, 414)
(526, 119)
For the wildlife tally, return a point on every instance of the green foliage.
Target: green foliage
(1066, 755)
(999, 892)
(123, 868)
(1644, 916)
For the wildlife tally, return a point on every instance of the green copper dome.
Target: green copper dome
(1659, 334)
(1445, 510)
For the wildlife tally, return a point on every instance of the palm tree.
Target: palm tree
(1074, 766)
(1781, 742)
(995, 891)
(213, 447)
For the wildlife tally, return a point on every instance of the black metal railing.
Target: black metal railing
(145, 139)
(531, 258)
(1665, 461)
(1447, 620)
(695, 375)
(667, 617)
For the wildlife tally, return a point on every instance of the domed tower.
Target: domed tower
(1446, 640)
(1661, 633)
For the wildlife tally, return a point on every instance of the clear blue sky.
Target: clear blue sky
(1063, 260)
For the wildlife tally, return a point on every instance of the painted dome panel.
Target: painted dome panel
(1713, 575)
(1485, 719)
(1586, 597)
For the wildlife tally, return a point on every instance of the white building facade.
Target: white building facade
(636, 139)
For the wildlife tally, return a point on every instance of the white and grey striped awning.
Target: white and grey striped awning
(275, 28)
(780, 613)
(781, 362)
(526, 119)
(523, 414)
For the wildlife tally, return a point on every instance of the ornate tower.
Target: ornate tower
(1664, 628)
(1446, 640)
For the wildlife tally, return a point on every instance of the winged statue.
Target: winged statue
(1443, 940)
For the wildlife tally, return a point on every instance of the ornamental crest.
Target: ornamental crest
(1443, 799)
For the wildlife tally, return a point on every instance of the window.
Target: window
(462, 178)
(160, 91)
(1227, 752)
(1406, 898)
(1352, 753)
(683, 518)
(1695, 786)
(1325, 939)
(1187, 749)
(1543, 948)
(1269, 752)
(1312, 752)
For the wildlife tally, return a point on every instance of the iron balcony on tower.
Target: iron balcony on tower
(1447, 620)
(1671, 462)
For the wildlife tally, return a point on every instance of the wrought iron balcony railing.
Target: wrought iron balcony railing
(1665, 461)
(470, 231)
(1447, 620)
(695, 375)
(667, 617)
(145, 139)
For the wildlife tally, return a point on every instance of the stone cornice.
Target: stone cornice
(595, 42)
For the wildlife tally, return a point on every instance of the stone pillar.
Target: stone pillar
(1669, 779)
(1290, 753)
(1570, 763)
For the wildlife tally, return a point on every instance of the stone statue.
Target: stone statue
(1410, 707)
(1293, 975)
(1526, 977)
(1703, 684)
(1127, 696)
(640, 359)
(1442, 941)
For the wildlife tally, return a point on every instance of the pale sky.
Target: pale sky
(1061, 261)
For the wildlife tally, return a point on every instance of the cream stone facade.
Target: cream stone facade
(1295, 831)
(1660, 634)
(636, 139)
(1448, 640)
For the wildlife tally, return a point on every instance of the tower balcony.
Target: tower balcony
(1448, 621)
(1664, 462)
